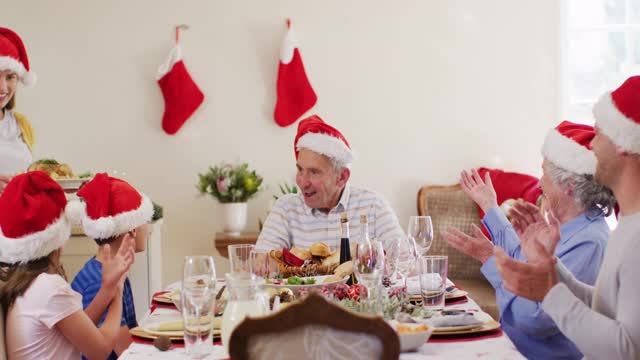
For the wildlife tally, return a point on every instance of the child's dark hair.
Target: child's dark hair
(106, 241)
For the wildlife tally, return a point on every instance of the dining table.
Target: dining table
(488, 345)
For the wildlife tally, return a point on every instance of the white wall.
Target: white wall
(422, 89)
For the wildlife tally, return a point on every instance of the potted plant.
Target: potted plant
(232, 185)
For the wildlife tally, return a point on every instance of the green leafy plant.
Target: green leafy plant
(286, 189)
(158, 212)
(229, 183)
(85, 175)
(46, 162)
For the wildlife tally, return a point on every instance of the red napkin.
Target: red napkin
(465, 337)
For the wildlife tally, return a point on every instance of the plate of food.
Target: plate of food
(61, 173)
(168, 322)
(72, 184)
(297, 282)
(411, 336)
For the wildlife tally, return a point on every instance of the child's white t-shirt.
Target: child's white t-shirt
(30, 326)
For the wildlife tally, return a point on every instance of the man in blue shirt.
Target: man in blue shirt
(571, 196)
(115, 213)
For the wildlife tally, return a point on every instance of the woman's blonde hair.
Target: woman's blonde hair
(17, 278)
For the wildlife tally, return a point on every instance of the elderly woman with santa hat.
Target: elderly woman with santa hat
(576, 202)
(16, 133)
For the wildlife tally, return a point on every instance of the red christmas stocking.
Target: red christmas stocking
(181, 94)
(295, 94)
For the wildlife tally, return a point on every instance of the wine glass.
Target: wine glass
(391, 260)
(406, 258)
(420, 229)
(198, 301)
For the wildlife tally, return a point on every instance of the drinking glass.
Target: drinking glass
(240, 258)
(198, 301)
(406, 259)
(391, 260)
(420, 229)
(432, 272)
(368, 265)
(262, 265)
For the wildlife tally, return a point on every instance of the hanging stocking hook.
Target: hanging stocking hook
(178, 28)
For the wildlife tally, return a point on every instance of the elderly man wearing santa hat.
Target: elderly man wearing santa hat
(601, 320)
(324, 160)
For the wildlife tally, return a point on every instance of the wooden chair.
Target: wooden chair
(449, 206)
(314, 329)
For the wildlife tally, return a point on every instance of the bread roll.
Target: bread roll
(344, 269)
(331, 279)
(302, 254)
(332, 259)
(320, 249)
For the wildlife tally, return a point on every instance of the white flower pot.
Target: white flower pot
(234, 217)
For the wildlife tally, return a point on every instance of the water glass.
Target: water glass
(262, 265)
(198, 302)
(240, 258)
(420, 229)
(368, 265)
(432, 272)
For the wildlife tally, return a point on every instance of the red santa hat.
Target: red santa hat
(112, 207)
(13, 56)
(35, 218)
(568, 146)
(318, 136)
(617, 115)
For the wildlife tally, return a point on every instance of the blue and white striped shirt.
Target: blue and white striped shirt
(88, 282)
(291, 223)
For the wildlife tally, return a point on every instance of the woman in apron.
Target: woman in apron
(16, 133)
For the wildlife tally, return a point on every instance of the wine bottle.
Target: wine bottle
(345, 247)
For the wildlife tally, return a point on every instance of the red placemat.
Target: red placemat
(174, 344)
(465, 337)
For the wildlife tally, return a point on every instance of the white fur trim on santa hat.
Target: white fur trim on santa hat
(37, 245)
(107, 227)
(623, 131)
(9, 63)
(568, 154)
(327, 145)
(174, 56)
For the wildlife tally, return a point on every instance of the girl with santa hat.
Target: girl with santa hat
(44, 316)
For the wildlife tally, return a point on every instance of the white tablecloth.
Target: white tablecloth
(491, 348)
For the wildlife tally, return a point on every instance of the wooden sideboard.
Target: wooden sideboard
(222, 240)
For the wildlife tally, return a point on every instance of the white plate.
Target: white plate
(319, 283)
(162, 315)
(72, 184)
